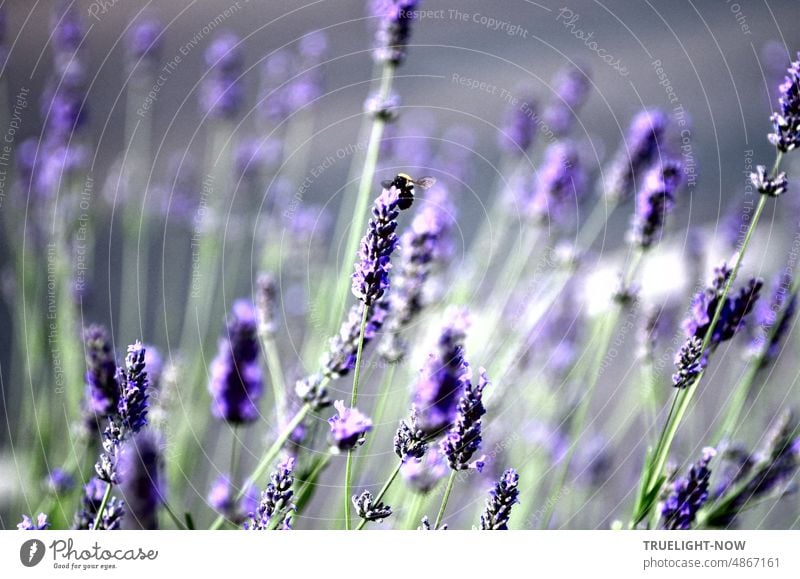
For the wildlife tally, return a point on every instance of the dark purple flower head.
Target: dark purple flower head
(369, 509)
(502, 498)
(786, 122)
(222, 93)
(689, 363)
(101, 371)
(144, 40)
(276, 506)
(519, 127)
(409, 441)
(59, 481)
(442, 379)
(28, 524)
(571, 91)
(371, 276)
(559, 186)
(134, 390)
(394, 28)
(688, 495)
(236, 383)
(348, 428)
(93, 492)
(641, 147)
(655, 200)
(463, 439)
(766, 185)
(732, 314)
(141, 479)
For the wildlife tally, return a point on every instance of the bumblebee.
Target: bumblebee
(405, 184)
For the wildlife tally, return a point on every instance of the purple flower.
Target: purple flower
(340, 358)
(28, 524)
(154, 365)
(688, 495)
(59, 481)
(68, 30)
(222, 497)
(773, 321)
(349, 428)
(141, 479)
(766, 185)
(92, 496)
(655, 200)
(463, 440)
(409, 441)
(236, 383)
(559, 186)
(222, 93)
(442, 379)
(519, 127)
(394, 28)
(101, 371)
(144, 40)
(422, 475)
(276, 500)
(571, 91)
(371, 276)
(732, 314)
(689, 363)
(641, 147)
(502, 498)
(786, 122)
(370, 510)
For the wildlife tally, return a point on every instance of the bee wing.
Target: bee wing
(425, 182)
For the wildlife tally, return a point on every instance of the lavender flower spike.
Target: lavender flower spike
(140, 474)
(786, 122)
(276, 500)
(340, 358)
(371, 276)
(28, 524)
(571, 91)
(222, 93)
(394, 29)
(236, 383)
(503, 497)
(409, 441)
(101, 371)
(368, 509)
(464, 438)
(90, 501)
(654, 202)
(689, 362)
(348, 429)
(559, 186)
(768, 186)
(641, 147)
(688, 495)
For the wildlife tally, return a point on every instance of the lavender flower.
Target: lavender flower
(68, 30)
(144, 40)
(383, 108)
(141, 479)
(441, 381)
(425, 525)
(464, 438)
(371, 277)
(313, 391)
(654, 202)
(236, 383)
(101, 369)
(409, 441)
(222, 93)
(28, 524)
(370, 510)
(340, 358)
(732, 314)
(766, 185)
(93, 492)
(786, 122)
(559, 186)
(422, 247)
(422, 475)
(502, 498)
(641, 147)
(348, 429)
(773, 321)
(519, 127)
(59, 481)
(394, 29)
(688, 495)
(112, 516)
(571, 91)
(222, 497)
(689, 362)
(276, 504)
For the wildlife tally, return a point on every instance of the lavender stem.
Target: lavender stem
(448, 489)
(383, 491)
(99, 515)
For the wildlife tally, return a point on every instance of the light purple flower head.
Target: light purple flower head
(572, 86)
(59, 481)
(394, 18)
(641, 147)
(519, 127)
(222, 93)
(654, 202)
(28, 524)
(424, 474)
(221, 497)
(144, 40)
(559, 186)
(786, 122)
(348, 428)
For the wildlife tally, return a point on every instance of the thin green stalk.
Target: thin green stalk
(99, 515)
(380, 408)
(266, 460)
(413, 514)
(178, 523)
(275, 374)
(448, 489)
(348, 471)
(383, 491)
(234, 465)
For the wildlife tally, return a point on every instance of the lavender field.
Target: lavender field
(399, 264)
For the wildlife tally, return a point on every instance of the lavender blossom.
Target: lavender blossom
(773, 320)
(409, 441)
(502, 498)
(442, 379)
(571, 91)
(732, 313)
(276, 506)
(101, 371)
(236, 384)
(140, 472)
(370, 510)
(689, 362)
(340, 357)
(371, 276)
(641, 147)
(394, 29)
(766, 185)
(59, 481)
(112, 516)
(28, 524)
(222, 497)
(222, 93)
(688, 495)
(348, 429)
(93, 492)
(422, 475)
(464, 438)
(519, 127)
(654, 202)
(144, 40)
(425, 525)
(383, 108)
(68, 30)
(786, 122)
(560, 185)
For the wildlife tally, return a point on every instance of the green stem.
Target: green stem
(266, 460)
(348, 471)
(448, 489)
(383, 491)
(413, 515)
(275, 374)
(99, 515)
